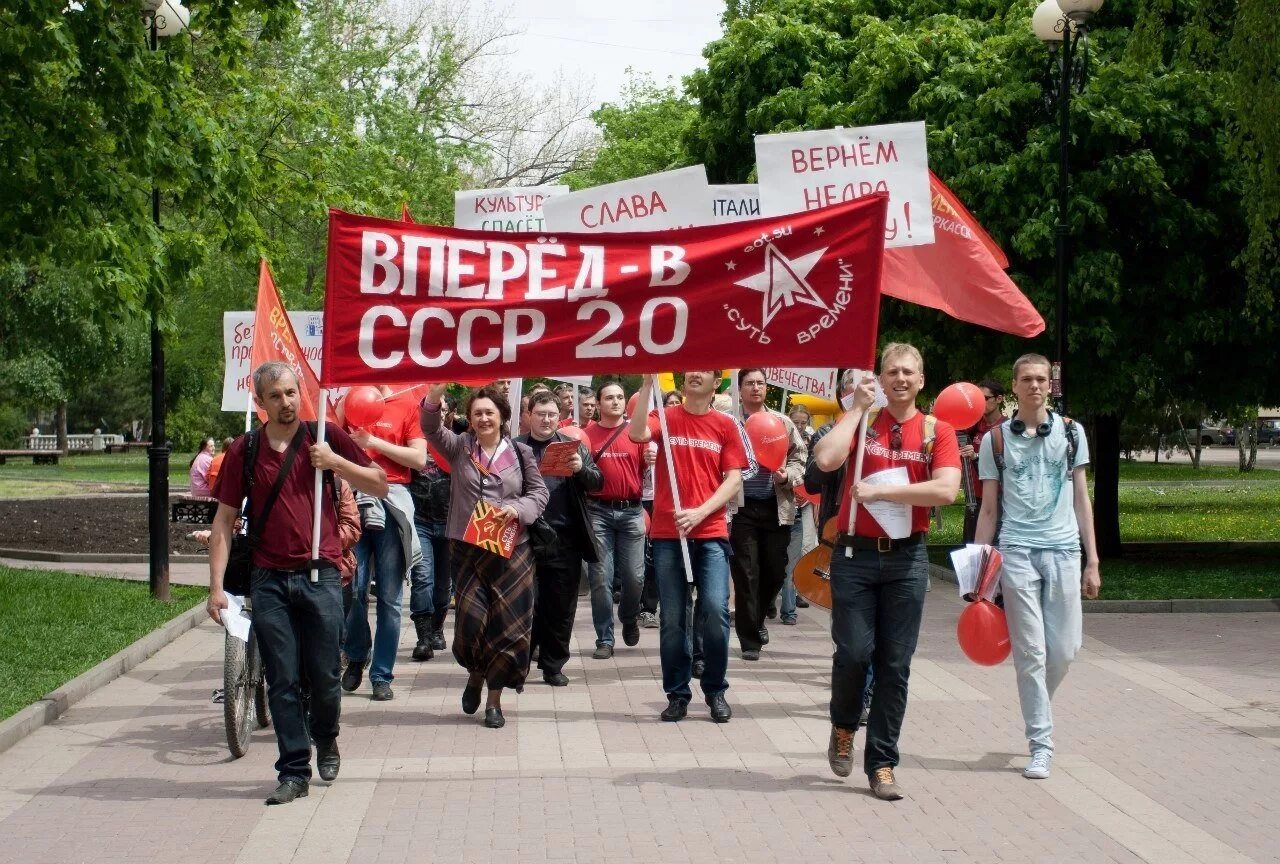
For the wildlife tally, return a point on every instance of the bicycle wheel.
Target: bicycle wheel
(238, 693)
(259, 689)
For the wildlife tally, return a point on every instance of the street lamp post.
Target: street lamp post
(1062, 24)
(164, 18)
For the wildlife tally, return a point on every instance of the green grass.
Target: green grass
(58, 625)
(1158, 503)
(84, 473)
(1192, 577)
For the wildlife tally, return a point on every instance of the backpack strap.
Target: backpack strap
(1073, 443)
(930, 435)
(251, 443)
(997, 454)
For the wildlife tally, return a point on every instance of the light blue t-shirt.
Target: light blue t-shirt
(1039, 504)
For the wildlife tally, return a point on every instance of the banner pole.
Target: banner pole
(857, 476)
(516, 391)
(785, 394)
(671, 476)
(248, 416)
(573, 421)
(321, 415)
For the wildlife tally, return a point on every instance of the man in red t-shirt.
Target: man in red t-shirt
(879, 567)
(297, 622)
(708, 456)
(617, 520)
(388, 548)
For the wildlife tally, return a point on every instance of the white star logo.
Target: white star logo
(731, 265)
(782, 282)
(817, 232)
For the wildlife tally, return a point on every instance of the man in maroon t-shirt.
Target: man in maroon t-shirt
(879, 566)
(708, 456)
(297, 621)
(971, 444)
(617, 520)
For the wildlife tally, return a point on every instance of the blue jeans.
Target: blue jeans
(621, 534)
(710, 559)
(378, 553)
(1042, 605)
(429, 582)
(877, 601)
(795, 549)
(298, 624)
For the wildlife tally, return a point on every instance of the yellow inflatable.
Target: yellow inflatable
(815, 405)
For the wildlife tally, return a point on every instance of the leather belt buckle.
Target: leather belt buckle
(884, 544)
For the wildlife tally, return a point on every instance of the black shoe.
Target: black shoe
(676, 709)
(423, 650)
(801, 603)
(617, 597)
(764, 636)
(382, 691)
(748, 654)
(698, 668)
(493, 718)
(287, 791)
(328, 760)
(353, 676)
(631, 633)
(790, 622)
(602, 652)
(437, 640)
(556, 679)
(772, 613)
(471, 698)
(720, 710)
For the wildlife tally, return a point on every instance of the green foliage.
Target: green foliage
(642, 134)
(59, 625)
(1196, 577)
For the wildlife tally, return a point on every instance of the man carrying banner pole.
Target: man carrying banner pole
(703, 458)
(879, 567)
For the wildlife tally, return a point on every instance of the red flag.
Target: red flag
(962, 273)
(407, 303)
(274, 339)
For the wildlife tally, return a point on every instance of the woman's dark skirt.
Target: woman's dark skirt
(494, 616)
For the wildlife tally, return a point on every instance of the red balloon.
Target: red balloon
(363, 407)
(441, 462)
(574, 432)
(961, 404)
(805, 495)
(983, 633)
(768, 436)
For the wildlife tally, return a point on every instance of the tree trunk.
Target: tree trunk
(1105, 456)
(60, 422)
(1195, 457)
(1253, 444)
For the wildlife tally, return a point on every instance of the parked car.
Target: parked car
(1269, 432)
(1210, 433)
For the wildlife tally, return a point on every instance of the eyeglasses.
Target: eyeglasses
(895, 436)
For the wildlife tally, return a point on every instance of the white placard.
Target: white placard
(802, 171)
(734, 202)
(237, 350)
(671, 199)
(509, 209)
(815, 382)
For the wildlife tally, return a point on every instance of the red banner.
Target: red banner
(274, 339)
(407, 303)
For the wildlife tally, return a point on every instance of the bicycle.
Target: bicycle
(244, 703)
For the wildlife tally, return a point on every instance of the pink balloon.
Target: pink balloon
(768, 436)
(961, 404)
(363, 406)
(983, 633)
(574, 432)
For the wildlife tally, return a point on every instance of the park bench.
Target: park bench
(38, 457)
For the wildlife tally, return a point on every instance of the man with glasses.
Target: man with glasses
(971, 441)
(878, 580)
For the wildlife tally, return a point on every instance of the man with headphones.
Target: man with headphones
(1036, 501)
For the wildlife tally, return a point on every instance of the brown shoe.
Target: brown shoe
(840, 751)
(884, 786)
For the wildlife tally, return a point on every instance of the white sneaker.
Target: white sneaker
(1038, 767)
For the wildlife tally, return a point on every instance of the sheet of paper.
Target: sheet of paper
(893, 517)
(235, 619)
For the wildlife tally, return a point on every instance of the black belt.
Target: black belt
(883, 545)
(616, 504)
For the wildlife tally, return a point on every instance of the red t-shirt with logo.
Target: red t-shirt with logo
(880, 456)
(286, 538)
(621, 463)
(704, 447)
(399, 425)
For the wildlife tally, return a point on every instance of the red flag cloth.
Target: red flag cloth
(961, 273)
(274, 339)
(407, 303)
(404, 212)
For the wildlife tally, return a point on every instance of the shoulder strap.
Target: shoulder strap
(515, 445)
(614, 437)
(930, 433)
(1073, 443)
(255, 532)
(997, 454)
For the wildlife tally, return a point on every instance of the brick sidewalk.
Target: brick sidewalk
(1169, 750)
